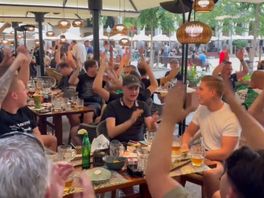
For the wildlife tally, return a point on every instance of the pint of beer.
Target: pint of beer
(176, 146)
(197, 159)
(197, 155)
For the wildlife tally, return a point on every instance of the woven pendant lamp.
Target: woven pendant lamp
(194, 32)
(203, 5)
(124, 42)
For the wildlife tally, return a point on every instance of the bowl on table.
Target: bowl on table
(114, 163)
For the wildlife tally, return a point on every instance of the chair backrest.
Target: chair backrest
(102, 129)
(91, 130)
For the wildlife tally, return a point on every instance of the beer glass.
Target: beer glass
(197, 153)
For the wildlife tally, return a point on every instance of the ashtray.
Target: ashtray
(133, 171)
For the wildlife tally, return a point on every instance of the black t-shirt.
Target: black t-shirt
(85, 89)
(178, 76)
(64, 82)
(122, 113)
(23, 121)
(233, 79)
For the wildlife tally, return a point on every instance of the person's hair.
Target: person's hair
(257, 79)
(244, 169)
(24, 168)
(89, 63)
(261, 65)
(215, 83)
(63, 65)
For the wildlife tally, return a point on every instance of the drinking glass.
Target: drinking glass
(116, 148)
(80, 103)
(66, 153)
(149, 137)
(142, 159)
(176, 146)
(197, 153)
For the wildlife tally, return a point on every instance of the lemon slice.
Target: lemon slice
(97, 172)
(82, 132)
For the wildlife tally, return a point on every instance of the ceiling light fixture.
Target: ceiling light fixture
(194, 32)
(124, 42)
(50, 33)
(203, 5)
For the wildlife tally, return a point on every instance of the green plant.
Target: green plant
(193, 76)
(240, 43)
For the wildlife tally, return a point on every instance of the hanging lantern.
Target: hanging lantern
(119, 29)
(36, 42)
(194, 32)
(124, 42)
(30, 28)
(50, 33)
(77, 23)
(5, 42)
(63, 39)
(203, 5)
(64, 24)
(19, 36)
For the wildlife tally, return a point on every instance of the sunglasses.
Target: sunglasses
(27, 135)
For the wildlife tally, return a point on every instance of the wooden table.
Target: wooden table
(57, 120)
(133, 181)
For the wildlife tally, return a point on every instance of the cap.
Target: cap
(131, 80)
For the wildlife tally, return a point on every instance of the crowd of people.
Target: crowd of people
(121, 94)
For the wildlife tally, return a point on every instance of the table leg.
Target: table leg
(57, 120)
(144, 191)
(42, 125)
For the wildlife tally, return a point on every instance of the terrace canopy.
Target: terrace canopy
(21, 11)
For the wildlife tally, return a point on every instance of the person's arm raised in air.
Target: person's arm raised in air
(74, 78)
(153, 82)
(218, 69)
(98, 81)
(125, 60)
(9, 71)
(58, 52)
(24, 73)
(257, 107)
(251, 129)
(240, 56)
(172, 74)
(159, 162)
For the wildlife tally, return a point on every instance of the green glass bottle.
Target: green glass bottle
(86, 151)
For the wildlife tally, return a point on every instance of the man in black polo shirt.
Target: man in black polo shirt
(126, 117)
(84, 83)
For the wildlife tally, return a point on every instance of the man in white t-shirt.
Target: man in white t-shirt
(219, 128)
(79, 52)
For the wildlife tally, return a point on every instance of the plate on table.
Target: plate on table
(99, 175)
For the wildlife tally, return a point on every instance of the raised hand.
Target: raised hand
(240, 54)
(173, 109)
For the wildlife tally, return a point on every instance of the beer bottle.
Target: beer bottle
(86, 150)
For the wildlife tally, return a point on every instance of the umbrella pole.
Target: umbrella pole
(96, 7)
